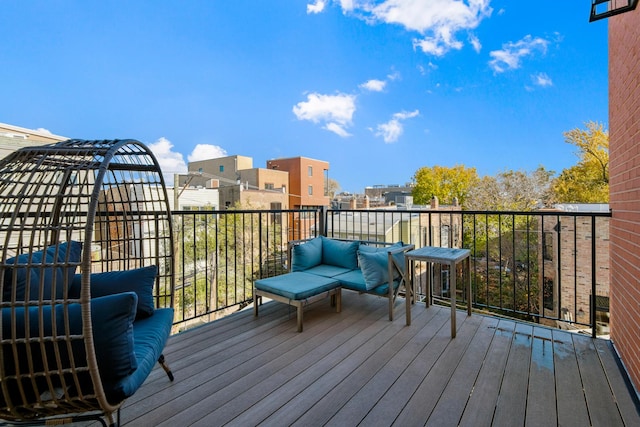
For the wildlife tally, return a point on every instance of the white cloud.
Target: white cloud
(316, 7)
(393, 129)
(335, 111)
(475, 42)
(43, 130)
(374, 85)
(437, 21)
(337, 129)
(542, 79)
(511, 54)
(171, 162)
(206, 152)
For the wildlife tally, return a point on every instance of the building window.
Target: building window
(547, 247)
(310, 170)
(311, 190)
(200, 170)
(221, 168)
(269, 186)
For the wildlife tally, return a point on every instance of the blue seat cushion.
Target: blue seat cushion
(327, 270)
(296, 285)
(150, 337)
(340, 253)
(306, 255)
(139, 280)
(52, 269)
(354, 280)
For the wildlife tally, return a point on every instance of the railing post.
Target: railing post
(593, 277)
(322, 225)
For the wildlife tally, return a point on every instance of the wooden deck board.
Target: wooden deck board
(572, 407)
(512, 401)
(358, 368)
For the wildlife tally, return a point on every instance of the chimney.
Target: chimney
(434, 203)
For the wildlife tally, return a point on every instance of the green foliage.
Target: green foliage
(588, 181)
(444, 183)
(511, 191)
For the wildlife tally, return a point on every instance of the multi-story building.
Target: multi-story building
(624, 185)
(564, 258)
(308, 180)
(238, 182)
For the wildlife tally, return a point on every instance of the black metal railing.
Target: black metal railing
(220, 253)
(549, 267)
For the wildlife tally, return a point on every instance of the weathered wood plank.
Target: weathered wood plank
(621, 386)
(512, 402)
(482, 402)
(450, 407)
(603, 410)
(571, 403)
(541, 398)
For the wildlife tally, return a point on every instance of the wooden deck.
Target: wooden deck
(358, 368)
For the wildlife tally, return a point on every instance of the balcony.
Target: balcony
(357, 368)
(528, 354)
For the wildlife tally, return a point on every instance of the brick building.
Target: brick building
(624, 186)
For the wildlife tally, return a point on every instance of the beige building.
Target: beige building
(238, 181)
(13, 138)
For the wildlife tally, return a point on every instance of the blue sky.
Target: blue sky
(376, 88)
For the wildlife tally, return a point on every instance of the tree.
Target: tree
(588, 181)
(332, 187)
(444, 183)
(511, 191)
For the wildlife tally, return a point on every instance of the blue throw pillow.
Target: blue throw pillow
(58, 262)
(399, 256)
(375, 268)
(306, 255)
(112, 320)
(139, 280)
(340, 253)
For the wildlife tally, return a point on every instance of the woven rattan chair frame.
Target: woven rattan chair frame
(109, 195)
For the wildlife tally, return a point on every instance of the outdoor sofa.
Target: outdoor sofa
(322, 267)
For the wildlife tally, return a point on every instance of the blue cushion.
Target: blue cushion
(112, 321)
(306, 255)
(340, 253)
(375, 268)
(399, 256)
(297, 285)
(354, 280)
(150, 337)
(327, 270)
(51, 265)
(139, 280)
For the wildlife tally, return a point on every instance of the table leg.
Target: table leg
(409, 290)
(468, 285)
(452, 291)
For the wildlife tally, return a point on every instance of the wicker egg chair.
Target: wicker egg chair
(86, 279)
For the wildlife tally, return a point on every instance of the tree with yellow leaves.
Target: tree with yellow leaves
(444, 183)
(587, 181)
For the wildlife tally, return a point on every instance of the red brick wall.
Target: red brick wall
(624, 156)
